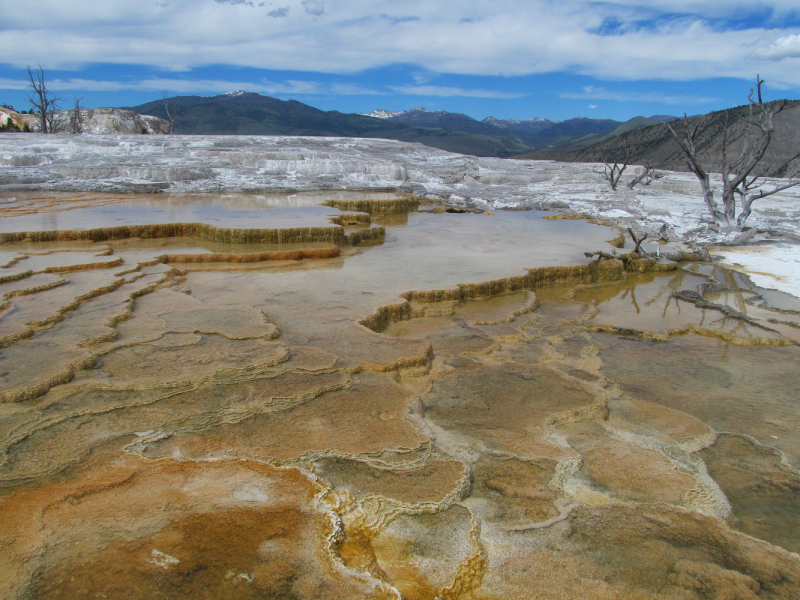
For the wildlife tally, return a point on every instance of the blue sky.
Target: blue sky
(504, 58)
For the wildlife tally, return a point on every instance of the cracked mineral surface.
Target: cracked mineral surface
(360, 395)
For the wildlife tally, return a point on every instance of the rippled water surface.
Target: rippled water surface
(454, 406)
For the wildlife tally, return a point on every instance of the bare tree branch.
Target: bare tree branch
(172, 107)
(613, 171)
(76, 118)
(740, 176)
(637, 241)
(686, 142)
(41, 101)
(600, 255)
(646, 177)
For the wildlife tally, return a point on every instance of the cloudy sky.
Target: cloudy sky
(505, 58)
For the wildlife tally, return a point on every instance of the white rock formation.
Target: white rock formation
(114, 120)
(11, 120)
(95, 120)
(130, 163)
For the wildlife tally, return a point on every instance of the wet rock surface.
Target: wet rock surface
(448, 411)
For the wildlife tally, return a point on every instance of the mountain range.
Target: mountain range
(248, 113)
(442, 117)
(535, 133)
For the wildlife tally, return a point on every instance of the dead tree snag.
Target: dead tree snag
(42, 102)
(742, 176)
(646, 177)
(612, 172)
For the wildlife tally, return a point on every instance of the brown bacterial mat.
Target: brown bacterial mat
(464, 406)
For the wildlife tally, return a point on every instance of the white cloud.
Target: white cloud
(314, 7)
(504, 37)
(782, 48)
(290, 87)
(595, 93)
(592, 106)
(423, 78)
(347, 89)
(192, 86)
(13, 84)
(446, 92)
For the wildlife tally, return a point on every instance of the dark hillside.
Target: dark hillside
(656, 144)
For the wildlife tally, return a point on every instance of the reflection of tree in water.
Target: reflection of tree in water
(675, 284)
(739, 328)
(725, 293)
(632, 291)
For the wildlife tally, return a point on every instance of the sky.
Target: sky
(503, 58)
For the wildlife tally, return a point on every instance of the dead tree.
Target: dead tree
(697, 255)
(742, 177)
(646, 177)
(601, 255)
(76, 119)
(612, 172)
(172, 107)
(42, 102)
(637, 241)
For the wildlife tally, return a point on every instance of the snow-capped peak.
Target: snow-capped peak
(506, 122)
(388, 114)
(382, 114)
(235, 94)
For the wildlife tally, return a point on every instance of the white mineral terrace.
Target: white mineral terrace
(273, 164)
(246, 368)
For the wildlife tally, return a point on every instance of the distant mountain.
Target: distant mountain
(392, 114)
(663, 118)
(441, 119)
(566, 134)
(535, 133)
(247, 113)
(654, 143)
(387, 114)
(422, 114)
(631, 125)
(534, 125)
(527, 132)
(516, 122)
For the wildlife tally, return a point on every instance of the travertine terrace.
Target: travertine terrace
(357, 394)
